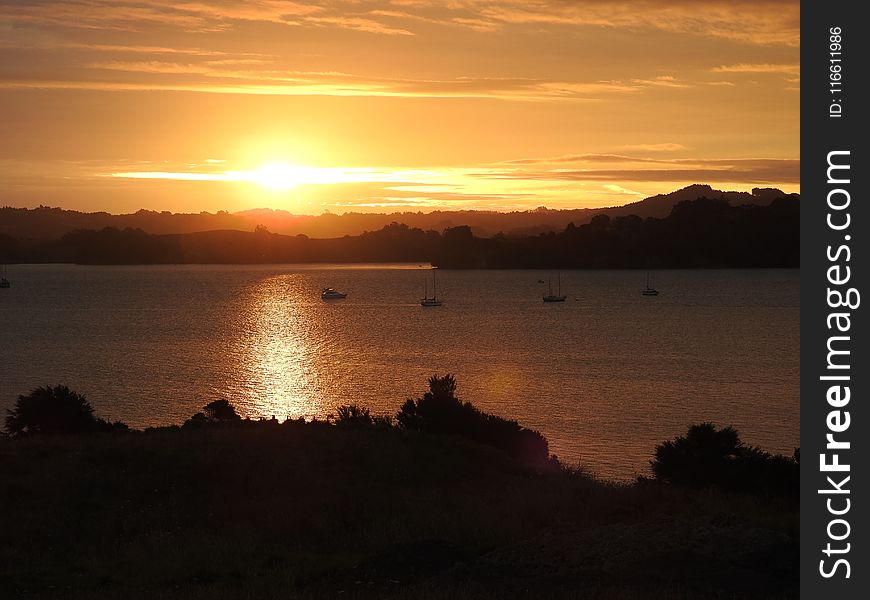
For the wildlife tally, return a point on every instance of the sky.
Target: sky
(381, 106)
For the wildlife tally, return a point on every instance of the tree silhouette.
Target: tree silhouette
(699, 458)
(707, 456)
(54, 410)
(219, 411)
(440, 411)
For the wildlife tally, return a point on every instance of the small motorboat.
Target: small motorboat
(332, 294)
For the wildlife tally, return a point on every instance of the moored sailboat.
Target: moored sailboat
(558, 296)
(426, 300)
(648, 291)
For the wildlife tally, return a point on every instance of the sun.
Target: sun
(281, 177)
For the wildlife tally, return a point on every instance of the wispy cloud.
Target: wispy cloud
(253, 75)
(204, 16)
(773, 22)
(661, 81)
(582, 158)
(123, 15)
(358, 24)
(779, 69)
(791, 73)
(621, 191)
(660, 147)
(595, 167)
(757, 22)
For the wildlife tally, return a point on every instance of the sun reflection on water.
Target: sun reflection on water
(279, 346)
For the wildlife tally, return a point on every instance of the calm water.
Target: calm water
(605, 376)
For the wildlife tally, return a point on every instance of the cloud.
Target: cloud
(103, 15)
(161, 31)
(581, 158)
(661, 147)
(258, 74)
(789, 71)
(780, 69)
(588, 167)
(661, 81)
(767, 22)
(358, 24)
(205, 16)
(621, 191)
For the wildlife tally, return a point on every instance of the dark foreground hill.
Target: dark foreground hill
(292, 510)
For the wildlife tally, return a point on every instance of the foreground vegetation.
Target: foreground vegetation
(369, 507)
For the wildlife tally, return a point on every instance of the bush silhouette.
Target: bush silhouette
(55, 410)
(707, 456)
(219, 411)
(440, 411)
(352, 415)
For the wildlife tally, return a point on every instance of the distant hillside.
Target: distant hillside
(700, 233)
(661, 205)
(46, 223)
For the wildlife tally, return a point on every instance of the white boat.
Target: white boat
(557, 297)
(648, 291)
(426, 300)
(332, 294)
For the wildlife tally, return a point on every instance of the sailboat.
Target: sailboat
(4, 283)
(426, 300)
(648, 291)
(558, 297)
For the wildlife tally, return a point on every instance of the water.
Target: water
(605, 376)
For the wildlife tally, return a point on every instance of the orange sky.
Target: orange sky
(393, 105)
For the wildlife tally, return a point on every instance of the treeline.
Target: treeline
(698, 233)
(702, 233)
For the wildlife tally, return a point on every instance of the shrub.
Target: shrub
(352, 415)
(219, 411)
(440, 411)
(706, 456)
(55, 409)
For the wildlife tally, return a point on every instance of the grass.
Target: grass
(262, 510)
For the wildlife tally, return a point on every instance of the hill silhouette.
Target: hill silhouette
(699, 233)
(45, 223)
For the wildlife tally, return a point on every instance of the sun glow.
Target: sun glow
(281, 177)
